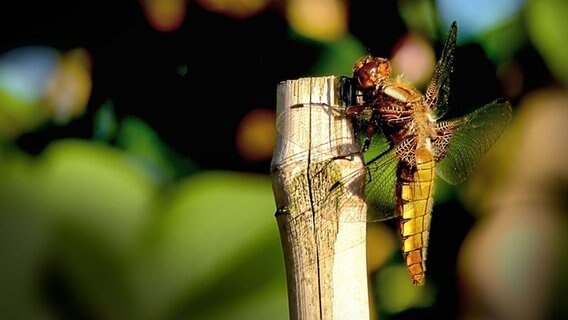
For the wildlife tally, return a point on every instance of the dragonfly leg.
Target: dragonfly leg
(371, 128)
(355, 110)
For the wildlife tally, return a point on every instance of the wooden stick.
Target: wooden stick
(325, 257)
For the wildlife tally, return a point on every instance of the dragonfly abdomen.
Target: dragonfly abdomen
(415, 186)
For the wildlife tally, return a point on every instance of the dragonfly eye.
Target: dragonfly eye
(371, 71)
(362, 61)
(384, 68)
(366, 74)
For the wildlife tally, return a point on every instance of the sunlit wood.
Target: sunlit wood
(325, 258)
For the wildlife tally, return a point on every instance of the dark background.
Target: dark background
(233, 66)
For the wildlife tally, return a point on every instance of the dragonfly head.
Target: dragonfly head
(371, 71)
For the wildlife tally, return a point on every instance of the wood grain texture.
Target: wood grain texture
(325, 257)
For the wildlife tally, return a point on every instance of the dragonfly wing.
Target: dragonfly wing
(380, 186)
(470, 137)
(378, 180)
(438, 90)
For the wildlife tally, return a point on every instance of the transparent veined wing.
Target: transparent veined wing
(342, 196)
(438, 90)
(379, 181)
(380, 186)
(472, 136)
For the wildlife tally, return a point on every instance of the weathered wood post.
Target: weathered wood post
(315, 149)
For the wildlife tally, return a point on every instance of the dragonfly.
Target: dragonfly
(418, 145)
(406, 143)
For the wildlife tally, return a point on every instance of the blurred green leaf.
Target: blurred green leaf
(255, 286)
(546, 25)
(208, 227)
(141, 141)
(25, 238)
(395, 293)
(18, 115)
(204, 248)
(443, 191)
(268, 301)
(501, 42)
(101, 205)
(150, 153)
(105, 122)
(338, 57)
(95, 188)
(421, 16)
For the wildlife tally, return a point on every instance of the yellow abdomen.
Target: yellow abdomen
(415, 208)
